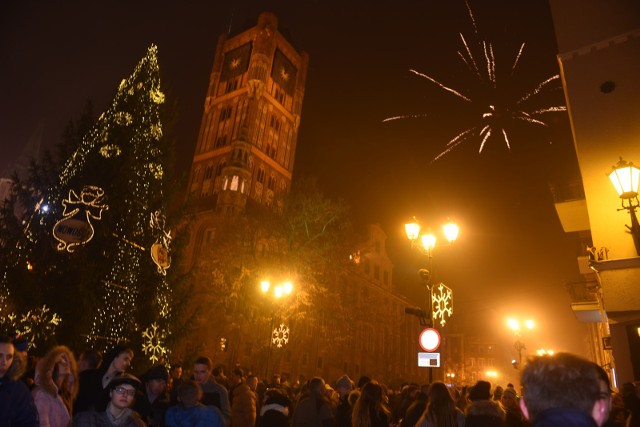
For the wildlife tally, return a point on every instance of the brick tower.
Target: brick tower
(247, 140)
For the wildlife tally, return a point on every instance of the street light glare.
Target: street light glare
(265, 285)
(451, 231)
(428, 241)
(530, 324)
(278, 291)
(412, 229)
(287, 287)
(513, 324)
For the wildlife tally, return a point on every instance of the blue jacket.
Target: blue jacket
(564, 417)
(193, 416)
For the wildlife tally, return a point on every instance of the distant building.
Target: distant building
(600, 65)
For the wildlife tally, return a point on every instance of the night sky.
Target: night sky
(512, 257)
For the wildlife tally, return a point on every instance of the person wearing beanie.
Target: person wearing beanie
(122, 391)
(94, 382)
(152, 400)
(483, 411)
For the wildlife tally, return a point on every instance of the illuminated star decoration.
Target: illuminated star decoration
(442, 303)
(153, 343)
(280, 335)
(496, 110)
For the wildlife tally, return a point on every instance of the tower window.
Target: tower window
(261, 174)
(225, 114)
(272, 183)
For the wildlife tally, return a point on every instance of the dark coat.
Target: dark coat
(485, 413)
(100, 419)
(564, 417)
(16, 404)
(194, 416)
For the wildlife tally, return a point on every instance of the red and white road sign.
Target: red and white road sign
(429, 339)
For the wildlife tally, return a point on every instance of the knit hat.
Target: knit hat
(124, 378)
(480, 391)
(344, 382)
(157, 372)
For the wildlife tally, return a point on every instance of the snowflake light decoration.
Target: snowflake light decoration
(153, 342)
(280, 335)
(442, 303)
(36, 325)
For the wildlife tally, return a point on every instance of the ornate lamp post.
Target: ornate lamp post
(625, 177)
(514, 325)
(426, 243)
(277, 292)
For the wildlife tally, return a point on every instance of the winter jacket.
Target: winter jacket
(243, 409)
(273, 415)
(54, 408)
(16, 404)
(101, 419)
(214, 394)
(485, 413)
(564, 417)
(193, 416)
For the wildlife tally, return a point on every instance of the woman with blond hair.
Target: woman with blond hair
(56, 387)
(370, 410)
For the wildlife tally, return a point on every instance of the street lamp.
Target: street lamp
(625, 177)
(426, 243)
(514, 325)
(278, 291)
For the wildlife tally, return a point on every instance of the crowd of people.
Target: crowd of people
(96, 391)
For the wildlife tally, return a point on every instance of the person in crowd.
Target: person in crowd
(118, 413)
(344, 386)
(404, 399)
(175, 379)
(632, 404)
(94, 382)
(152, 401)
(21, 345)
(483, 411)
(370, 409)
(415, 410)
(243, 405)
(513, 413)
(563, 390)
(313, 409)
(275, 410)
(190, 412)
(56, 387)
(213, 394)
(441, 410)
(16, 404)
(89, 359)
(497, 393)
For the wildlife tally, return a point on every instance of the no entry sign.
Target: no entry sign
(429, 339)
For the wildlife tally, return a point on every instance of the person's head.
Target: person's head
(155, 380)
(480, 391)
(189, 393)
(316, 386)
(605, 390)
(344, 385)
(89, 359)
(122, 390)
(237, 375)
(202, 369)
(252, 382)
(7, 351)
(562, 380)
(363, 380)
(176, 372)
(118, 359)
(439, 395)
(509, 399)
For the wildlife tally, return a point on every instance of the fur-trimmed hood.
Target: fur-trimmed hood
(486, 407)
(46, 366)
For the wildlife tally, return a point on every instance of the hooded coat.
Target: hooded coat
(485, 413)
(16, 405)
(243, 409)
(54, 405)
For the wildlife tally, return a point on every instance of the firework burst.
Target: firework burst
(496, 110)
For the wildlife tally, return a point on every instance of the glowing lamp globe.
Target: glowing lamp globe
(625, 177)
(412, 229)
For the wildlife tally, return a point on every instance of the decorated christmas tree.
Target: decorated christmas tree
(96, 238)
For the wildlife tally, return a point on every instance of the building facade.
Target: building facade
(599, 61)
(248, 135)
